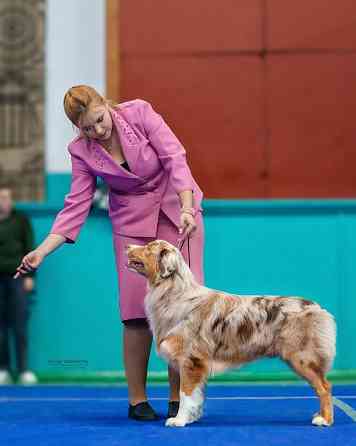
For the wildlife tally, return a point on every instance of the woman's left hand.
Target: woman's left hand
(187, 224)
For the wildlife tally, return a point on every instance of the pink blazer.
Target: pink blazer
(158, 172)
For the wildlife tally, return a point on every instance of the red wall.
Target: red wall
(262, 93)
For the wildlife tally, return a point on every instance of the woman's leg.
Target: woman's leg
(137, 347)
(137, 337)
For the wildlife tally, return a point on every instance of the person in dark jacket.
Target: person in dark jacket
(16, 239)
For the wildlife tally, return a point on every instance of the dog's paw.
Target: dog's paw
(176, 422)
(318, 420)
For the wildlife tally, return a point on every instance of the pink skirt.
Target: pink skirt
(132, 286)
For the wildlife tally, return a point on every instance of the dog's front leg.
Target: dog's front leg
(190, 408)
(193, 372)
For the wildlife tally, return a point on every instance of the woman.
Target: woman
(152, 194)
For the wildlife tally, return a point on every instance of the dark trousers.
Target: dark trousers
(14, 312)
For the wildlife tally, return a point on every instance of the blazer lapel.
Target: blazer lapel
(105, 163)
(130, 142)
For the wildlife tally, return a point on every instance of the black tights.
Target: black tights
(138, 323)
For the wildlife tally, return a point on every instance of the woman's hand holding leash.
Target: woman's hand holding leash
(187, 222)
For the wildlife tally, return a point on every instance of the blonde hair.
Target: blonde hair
(78, 99)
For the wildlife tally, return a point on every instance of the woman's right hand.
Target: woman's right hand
(29, 263)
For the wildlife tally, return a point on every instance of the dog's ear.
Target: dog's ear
(167, 262)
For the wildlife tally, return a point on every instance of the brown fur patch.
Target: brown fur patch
(258, 301)
(218, 347)
(245, 330)
(193, 373)
(316, 368)
(304, 342)
(272, 313)
(216, 323)
(261, 350)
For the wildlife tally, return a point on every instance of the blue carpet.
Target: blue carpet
(76, 416)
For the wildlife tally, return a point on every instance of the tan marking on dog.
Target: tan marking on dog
(171, 347)
(313, 373)
(206, 308)
(153, 273)
(193, 371)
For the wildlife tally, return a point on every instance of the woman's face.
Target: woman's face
(96, 123)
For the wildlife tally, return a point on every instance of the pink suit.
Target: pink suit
(143, 202)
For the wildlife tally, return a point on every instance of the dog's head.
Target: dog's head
(157, 260)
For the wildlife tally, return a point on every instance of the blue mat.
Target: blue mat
(234, 415)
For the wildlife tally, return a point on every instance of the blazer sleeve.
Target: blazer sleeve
(169, 149)
(77, 203)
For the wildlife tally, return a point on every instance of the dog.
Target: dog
(201, 331)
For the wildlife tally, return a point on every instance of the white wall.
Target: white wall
(75, 54)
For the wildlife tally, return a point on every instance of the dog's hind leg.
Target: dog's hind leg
(193, 373)
(313, 373)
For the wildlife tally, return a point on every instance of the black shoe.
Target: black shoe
(142, 412)
(173, 407)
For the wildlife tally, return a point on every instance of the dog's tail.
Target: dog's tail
(324, 331)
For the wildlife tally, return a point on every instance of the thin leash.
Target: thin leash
(181, 244)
